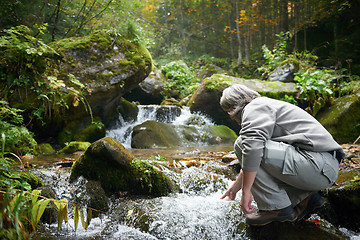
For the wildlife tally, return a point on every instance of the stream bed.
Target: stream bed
(196, 212)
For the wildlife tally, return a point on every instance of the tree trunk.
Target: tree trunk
(284, 16)
(239, 60)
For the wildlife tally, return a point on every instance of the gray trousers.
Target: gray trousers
(287, 175)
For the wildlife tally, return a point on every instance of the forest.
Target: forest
(247, 39)
(187, 29)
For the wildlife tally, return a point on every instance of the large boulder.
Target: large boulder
(108, 162)
(153, 134)
(107, 65)
(150, 90)
(344, 199)
(342, 119)
(207, 96)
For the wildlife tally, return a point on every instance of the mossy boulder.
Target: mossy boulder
(107, 65)
(153, 134)
(82, 130)
(72, 147)
(342, 119)
(108, 162)
(207, 96)
(221, 134)
(30, 178)
(46, 148)
(344, 199)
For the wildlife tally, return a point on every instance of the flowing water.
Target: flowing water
(195, 212)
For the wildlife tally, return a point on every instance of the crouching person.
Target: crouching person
(286, 155)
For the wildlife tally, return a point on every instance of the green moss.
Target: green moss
(46, 148)
(295, 62)
(93, 58)
(74, 147)
(30, 178)
(342, 119)
(150, 180)
(216, 81)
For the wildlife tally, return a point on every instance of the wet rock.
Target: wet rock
(149, 90)
(152, 134)
(74, 147)
(108, 162)
(344, 199)
(97, 198)
(342, 118)
(46, 148)
(83, 130)
(299, 231)
(50, 214)
(228, 158)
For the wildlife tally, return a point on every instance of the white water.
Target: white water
(123, 129)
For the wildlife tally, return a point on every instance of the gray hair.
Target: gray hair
(236, 97)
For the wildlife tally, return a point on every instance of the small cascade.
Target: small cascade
(168, 114)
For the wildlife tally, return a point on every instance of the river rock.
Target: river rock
(74, 147)
(283, 73)
(342, 118)
(97, 198)
(82, 130)
(153, 134)
(208, 70)
(108, 162)
(107, 65)
(207, 96)
(344, 200)
(149, 90)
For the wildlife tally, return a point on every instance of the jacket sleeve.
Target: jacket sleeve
(258, 122)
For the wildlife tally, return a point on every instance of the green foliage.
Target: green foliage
(28, 78)
(180, 79)
(315, 89)
(277, 55)
(289, 99)
(158, 158)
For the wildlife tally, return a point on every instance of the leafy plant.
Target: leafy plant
(314, 88)
(180, 79)
(273, 58)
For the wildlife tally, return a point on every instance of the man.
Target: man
(286, 155)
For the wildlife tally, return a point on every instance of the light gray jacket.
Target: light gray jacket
(269, 119)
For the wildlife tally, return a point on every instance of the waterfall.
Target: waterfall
(169, 114)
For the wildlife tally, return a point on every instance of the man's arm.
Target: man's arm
(248, 178)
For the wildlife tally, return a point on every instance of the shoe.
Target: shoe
(262, 218)
(309, 205)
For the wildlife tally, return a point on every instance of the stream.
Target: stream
(195, 212)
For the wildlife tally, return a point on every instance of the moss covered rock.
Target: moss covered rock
(344, 199)
(207, 96)
(342, 119)
(82, 130)
(46, 148)
(72, 147)
(107, 65)
(153, 134)
(108, 162)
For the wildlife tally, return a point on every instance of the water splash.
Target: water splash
(169, 114)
